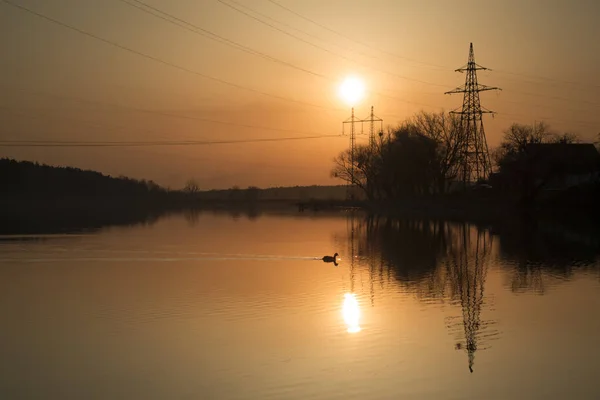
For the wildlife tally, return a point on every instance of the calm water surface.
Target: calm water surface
(214, 307)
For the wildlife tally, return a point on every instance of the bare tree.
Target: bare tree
(565, 138)
(518, 136)
(445, 130)
(342, 168)
(516, 139)
(417, 157)
(517, 160)
(191, 187)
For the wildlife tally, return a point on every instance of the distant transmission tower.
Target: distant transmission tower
(475, 163)
(351, 188)
(372, 119)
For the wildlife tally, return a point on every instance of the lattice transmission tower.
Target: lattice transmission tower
(351, 187)
(475, 164)
(353, 120)
(372, 119)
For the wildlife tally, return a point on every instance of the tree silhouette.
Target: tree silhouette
(419, 157)
(24, 177)
(191, 187)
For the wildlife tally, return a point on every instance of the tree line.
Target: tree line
(423, 155)
(32, 178)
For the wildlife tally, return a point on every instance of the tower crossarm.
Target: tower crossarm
(460, 89)
(460, 112)
(478, 88)
(472, 67)
(483, 88)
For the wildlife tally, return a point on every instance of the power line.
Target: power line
(66, 143)
(548, 79)
(554, 97)
(248, 49)
(502, 115)
(224, 39)
(504, 100)
(213, 36)
(351, 39)
(282, 30)
(190, 117)
(189, 70)
(300, 30)
(172, 115)
(587, 124)
(218, 79)
(417, 61)
(325, 49)
(406, 101)
(156, 59)
(194, 118)
(92, 124)
(252, 51)
(547, 106)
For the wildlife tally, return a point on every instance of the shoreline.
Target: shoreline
(19, 214)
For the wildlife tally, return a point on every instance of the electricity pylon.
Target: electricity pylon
(351, 188)
(372, 119)
(475, 163)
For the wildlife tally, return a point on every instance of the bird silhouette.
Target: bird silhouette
(330, 259)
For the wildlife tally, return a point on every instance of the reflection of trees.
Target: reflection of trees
(540, 249)
(384, 248)
(528, 277)
(192, 215)
(362, 256)
(414, 251)
(411, 248)
(436, 260)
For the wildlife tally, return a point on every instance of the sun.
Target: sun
(352, 90)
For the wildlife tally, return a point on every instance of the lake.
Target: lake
(215, 306)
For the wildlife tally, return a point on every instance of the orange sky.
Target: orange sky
(58, 84)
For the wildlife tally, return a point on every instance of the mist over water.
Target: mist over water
(210, 306)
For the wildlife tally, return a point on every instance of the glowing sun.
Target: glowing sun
(352, 90)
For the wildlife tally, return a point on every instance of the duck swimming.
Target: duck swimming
(330, 259)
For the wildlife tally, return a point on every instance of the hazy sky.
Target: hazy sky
(59, 84)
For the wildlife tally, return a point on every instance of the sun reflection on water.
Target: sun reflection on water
(351, 312)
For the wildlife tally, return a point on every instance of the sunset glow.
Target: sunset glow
(248, 95)
(180, 177)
